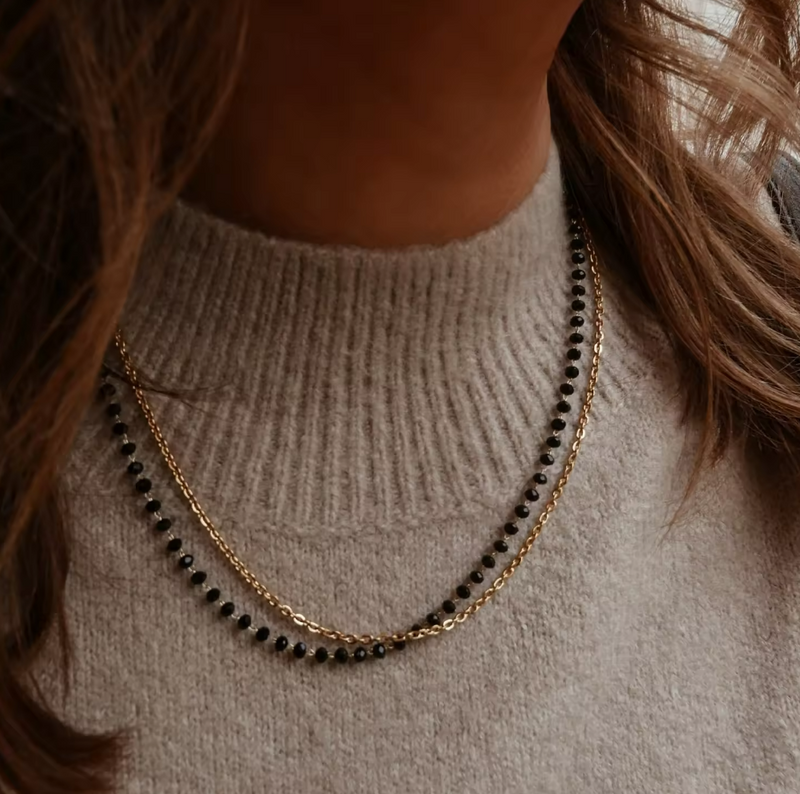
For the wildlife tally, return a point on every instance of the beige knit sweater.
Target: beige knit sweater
(360, 423)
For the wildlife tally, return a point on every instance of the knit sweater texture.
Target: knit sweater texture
(360, 424)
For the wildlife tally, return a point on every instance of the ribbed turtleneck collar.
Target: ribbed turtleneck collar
(356, 382)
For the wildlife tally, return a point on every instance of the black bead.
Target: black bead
(244, 622)
(563, 407)
(107, 390)
(135, 467)
(576, 321)
(532, 495)
(578, 306)
(153, 506)
(186, 561)
(566, 388)
(119, 429)
(546, 459)
(227, 609)
(488, 561)
(321, 655)
(573, 354)
(510, 528)
(433, 619)
(299, 650)
(163, 524)
(128, 448)
(399, 645)
(198, 577)
(448, 606)
(113, 409)
(522, 511)
(553, 442)
(579, 274)
(262, 635)
(577, 243)
(539, 478)
(463, 591)
(281, 644)
(576, 338)
(558, 424)
(476, 577)
(359, 654)
(341, 655)
(501, 546)
(212, 595)
(143, 485)
(578, 258)
(378, 650)
(579, 290)
(574, 227)
(572, 372)
(174, 544)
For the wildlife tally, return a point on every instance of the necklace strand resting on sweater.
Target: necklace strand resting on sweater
(448, 616)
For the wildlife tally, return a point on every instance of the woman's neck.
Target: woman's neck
(385, 124)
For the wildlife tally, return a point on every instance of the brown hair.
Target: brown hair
(105, 109)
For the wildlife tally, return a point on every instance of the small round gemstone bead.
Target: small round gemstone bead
(198, 577)
(113, 409)
(573, 354)
(107, 390)
(578, 259)
(572, 372)
(558, 424)
(510, 528)
(553, 442)
(128, 448)
(143, 485)
(448, 606)
(262, 635)
(174, 544)
(488, 561)
(186, 561)
(379, 650)
(501, 546)
(463, 591)
(135, 467)
(546, 459)
(212, 595)
(577, 243)
(579, 275)
(578, 290)
(341, 655)
(576, 321)
(163, 524)
(227, 609)
(576, 338)
(416, 627)
(299, 650)
(532, 495)
(539, 478)
(563, 407)
(399, 645)
(244, 622)
(119, 428)
(433, 619)
(566, 388)
(359, 654)
(574, 227)
(321, 655)
(153, 506)
(578, 305)
(522, 511)
(281, 644)
(476, 577)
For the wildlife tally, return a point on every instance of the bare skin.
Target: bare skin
(388, 123)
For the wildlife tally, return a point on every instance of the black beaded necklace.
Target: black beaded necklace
(436, 620)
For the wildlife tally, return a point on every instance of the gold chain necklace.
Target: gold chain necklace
(416, 633)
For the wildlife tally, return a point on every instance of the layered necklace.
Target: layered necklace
(498, 561)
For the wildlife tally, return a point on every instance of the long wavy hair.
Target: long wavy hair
(105, 107)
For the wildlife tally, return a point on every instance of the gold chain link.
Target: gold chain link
(400, 636)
